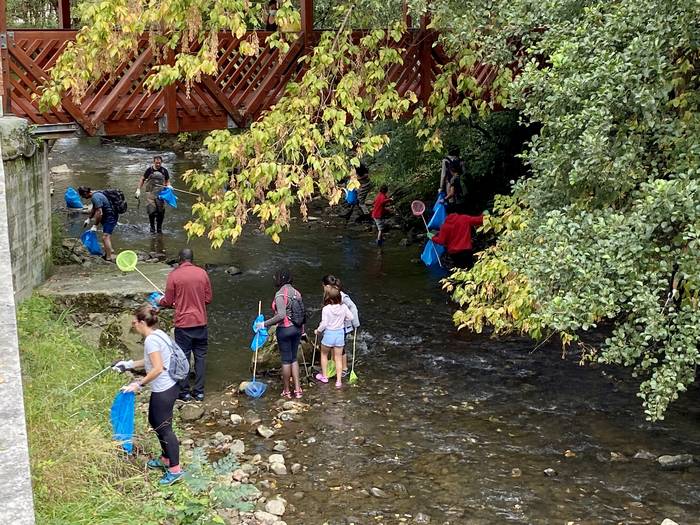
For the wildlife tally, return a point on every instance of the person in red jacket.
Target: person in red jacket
(456, 236)
(379, 212)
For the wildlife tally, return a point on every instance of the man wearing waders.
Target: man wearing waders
(155, 178)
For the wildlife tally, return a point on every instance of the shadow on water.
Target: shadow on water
(441, 419)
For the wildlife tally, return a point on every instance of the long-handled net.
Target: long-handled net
(256, 389)
(127, 261)
(353, 376)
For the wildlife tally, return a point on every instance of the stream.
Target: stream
(453, 428)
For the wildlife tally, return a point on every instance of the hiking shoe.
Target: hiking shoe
(156, 464)
(185, 397)
(320, 377)
(171, 477)
(199, 397)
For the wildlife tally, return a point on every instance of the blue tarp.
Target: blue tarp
(438, 217)
(260, 335)
(122, 415)
(168, 195)
(73, 199)
(351, 196)
(89, 240)
(431, 253)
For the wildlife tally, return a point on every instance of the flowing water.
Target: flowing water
(441, 419)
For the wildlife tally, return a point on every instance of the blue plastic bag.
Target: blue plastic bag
(89, 240)
(168, 195)
(260, 335)
(438, 218)
(351, 196)
(122, 416)
(431, 253)
(73, 199)
(154, 299)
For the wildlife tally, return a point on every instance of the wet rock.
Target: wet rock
(188, 154)
(645, 454)
(516, 473)
(280, 446)
(276, 506)
(276, 458)
(265, 432)
(378, 493)
(191, 412)
(252, 418)
(237, 447)
(617, 456)
(294, 405)
(569, 454)
(236, 419)
(421, 518)
(279, 469)
(265, 518)
(399, 489)
(602, 457)
(62, 169)
(296, 468)
(550, 472)
(311, 440)
(679, 461)
(233, 270)
(668, 521)
(288, 415)
(298, 495)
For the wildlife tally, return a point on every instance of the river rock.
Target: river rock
(61, 169)
(252, 418)
(399, 489)
(516, 473)
(668, 521)
(288, 415)
(265, 432)
(191, 412)
(239, 474)
(265, 517)
(280, 446)
(645, 454)
(294, 405)
(422, 519)
(236, 419)
(378, 493)
(233, 270)
(278, 469)
(679, 461)
(296, 468)
(276, 458)
(550, 472)
(276, 506)
(237, 447)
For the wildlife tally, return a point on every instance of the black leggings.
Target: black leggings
(160, 417)
(288, 338)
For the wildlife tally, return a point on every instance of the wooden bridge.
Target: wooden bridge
(242, 90)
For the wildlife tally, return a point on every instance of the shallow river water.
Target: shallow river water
(440, 418)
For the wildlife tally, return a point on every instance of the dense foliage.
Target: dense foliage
(606, 226)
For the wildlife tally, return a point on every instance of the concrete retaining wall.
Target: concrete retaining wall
(17, 505)
(28, 205)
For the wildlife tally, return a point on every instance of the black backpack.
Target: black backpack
(295, 309)
(117, 200)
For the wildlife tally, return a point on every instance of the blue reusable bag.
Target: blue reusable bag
(351, 196)
(168, 195)
(122, 416)
(73, 199)
(89, 240)
(260, 335)
(438, 218)
(439, 201)
(431, 253)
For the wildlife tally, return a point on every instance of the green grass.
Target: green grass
(78, 473)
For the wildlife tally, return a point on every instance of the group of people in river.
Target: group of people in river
(188, 290)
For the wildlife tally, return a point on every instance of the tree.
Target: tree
(604, 228)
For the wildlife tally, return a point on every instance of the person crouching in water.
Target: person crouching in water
(333, 318)
(157, 351)
(350, 326)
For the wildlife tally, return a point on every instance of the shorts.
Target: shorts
(381, 224)
(288, 338)
(335, 338)
(109, 222)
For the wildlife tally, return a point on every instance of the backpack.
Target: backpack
(117, 200)
(296, 309)
(179, 364)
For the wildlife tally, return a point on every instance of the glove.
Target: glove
(86, 223)
(123, 366)
(259, 326)
(94, 228)
(132, 387)
(485, 212)
(138, 193)
(430, 235)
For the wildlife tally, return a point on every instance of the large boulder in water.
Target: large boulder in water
(269, 355)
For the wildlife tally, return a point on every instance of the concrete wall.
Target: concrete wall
(28, 205)
(17, 505)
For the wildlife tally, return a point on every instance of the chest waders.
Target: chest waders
(155, 206)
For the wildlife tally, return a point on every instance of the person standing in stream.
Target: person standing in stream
(103, 213)
(155, 178)
(188, 290)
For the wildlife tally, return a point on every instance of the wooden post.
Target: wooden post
(64, 21)
(5, 59)
(307, 21)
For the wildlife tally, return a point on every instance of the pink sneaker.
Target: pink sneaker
(338, 384)
(320, 377)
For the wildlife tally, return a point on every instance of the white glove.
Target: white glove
(138, 193)
(94, 228)
(86, 223)
(132, 387)
(123, 366)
